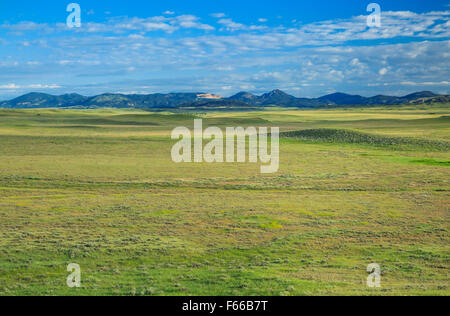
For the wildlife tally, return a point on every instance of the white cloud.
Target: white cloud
(13, 86)
(355, 62)
(232, 26)
(383, 71)
(218, 15)
(225, 68)
(169, 12)
(168, 24)
(41, 86)
(394, 24)
(10, 86)
(191, 21)
(428, 83)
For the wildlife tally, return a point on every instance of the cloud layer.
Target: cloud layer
(173, 52)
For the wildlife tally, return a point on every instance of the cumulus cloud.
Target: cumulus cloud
(13, 86)
(191, 21)
(218, 15)
(9, 86)
(230, 25)
(117, 25)
(428, 83)
(383, 71)
(43, 86)
(394, 24)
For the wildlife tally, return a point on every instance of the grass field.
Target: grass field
(98, 188)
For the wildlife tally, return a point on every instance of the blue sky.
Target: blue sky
(307, 48)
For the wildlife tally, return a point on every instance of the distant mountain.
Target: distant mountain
(431, 100)
(42, 100)
(276, 98)
(342, 98)
(208, 101)
(419, 95)
(111, 100)
(143, 101)
(245, 97)
(382, 100)
(347, 99)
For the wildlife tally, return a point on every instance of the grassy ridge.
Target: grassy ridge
(354, 137)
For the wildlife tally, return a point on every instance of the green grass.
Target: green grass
(353, 137)
(98, 188)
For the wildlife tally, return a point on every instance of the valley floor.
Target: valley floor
(98, 188)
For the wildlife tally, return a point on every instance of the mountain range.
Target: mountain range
(242, 100)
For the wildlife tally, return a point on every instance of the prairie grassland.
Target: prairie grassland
(99, 188)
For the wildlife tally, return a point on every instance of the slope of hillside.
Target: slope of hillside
(342, 99)
(43, 100)
(277, 98)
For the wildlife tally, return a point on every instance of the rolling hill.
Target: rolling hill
(42, 100)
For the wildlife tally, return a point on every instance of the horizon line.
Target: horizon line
(221, 96)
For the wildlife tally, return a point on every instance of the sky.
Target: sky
(305, 48)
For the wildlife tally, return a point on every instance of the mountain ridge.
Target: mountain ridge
(194, 100)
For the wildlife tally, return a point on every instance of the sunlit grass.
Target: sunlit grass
(98, 188)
